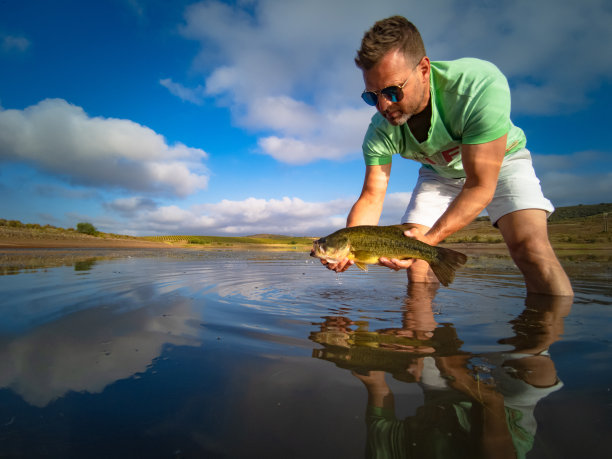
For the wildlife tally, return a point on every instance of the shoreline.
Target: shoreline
(84, 242)
(78, 243)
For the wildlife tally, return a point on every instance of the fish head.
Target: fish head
(331, 250)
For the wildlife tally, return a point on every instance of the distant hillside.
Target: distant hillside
(270, 236)
(578, 226)
(580, 211)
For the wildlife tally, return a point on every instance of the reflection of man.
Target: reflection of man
(454, 118)
(475, 406)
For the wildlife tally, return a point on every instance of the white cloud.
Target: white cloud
(551, 51)
(273, 62)
(580, 178)
(131, 206)
(289, 215)
(12, 43)
(62, 139)
(193, 95)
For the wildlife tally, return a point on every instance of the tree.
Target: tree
(86, 228)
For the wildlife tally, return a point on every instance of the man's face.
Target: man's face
(393, 70)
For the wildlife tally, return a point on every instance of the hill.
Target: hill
(580, 211)
(579, 227)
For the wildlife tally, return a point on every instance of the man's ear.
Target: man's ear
(424, 67)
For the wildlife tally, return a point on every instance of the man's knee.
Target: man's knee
(531, 251)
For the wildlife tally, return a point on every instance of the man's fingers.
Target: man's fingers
(396, 264)
(339, 267)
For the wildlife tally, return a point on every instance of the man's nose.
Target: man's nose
(383, 103)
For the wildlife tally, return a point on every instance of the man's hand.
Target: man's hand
(340, 266)
(394, 263)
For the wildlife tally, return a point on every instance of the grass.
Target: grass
(578, 233)
(229, 241)
(577, 227)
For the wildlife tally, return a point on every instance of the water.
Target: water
(226, 354)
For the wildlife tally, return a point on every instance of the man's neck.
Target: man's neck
(420, 123)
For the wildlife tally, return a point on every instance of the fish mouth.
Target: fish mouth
(316, 248)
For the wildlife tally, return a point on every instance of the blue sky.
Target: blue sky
(155, 117)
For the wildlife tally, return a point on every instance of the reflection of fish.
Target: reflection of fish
(366, 244)
(387, 350)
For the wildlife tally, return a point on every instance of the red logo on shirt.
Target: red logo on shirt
(448, 154)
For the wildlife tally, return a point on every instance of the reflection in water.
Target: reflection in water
(84, 265)
(90, 349)
(475, 404)
(206, 354)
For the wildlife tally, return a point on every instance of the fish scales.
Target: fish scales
(367, 244)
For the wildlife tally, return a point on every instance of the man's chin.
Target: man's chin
(399, 120)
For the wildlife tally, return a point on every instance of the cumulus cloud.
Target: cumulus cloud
(289, 215)
(62, 139)
(549, 50)
(193, 95)
(12, 43)
(131, 206)
(286, 70)
(583, 177)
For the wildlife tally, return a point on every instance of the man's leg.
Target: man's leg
(526, 235)
(420, 271)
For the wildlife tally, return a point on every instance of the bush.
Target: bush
(86, 228)
(15, 224)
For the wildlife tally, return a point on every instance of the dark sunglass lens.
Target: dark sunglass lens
(369, 97)
(392, 93)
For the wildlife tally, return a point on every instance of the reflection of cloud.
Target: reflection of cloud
(90, 349)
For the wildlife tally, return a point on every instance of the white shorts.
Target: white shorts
(518, 188)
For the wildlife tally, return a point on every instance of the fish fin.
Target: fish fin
(446, 264)
(361, 266)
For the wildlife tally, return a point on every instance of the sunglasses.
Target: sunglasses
(391, 93)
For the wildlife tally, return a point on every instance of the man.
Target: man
(454, 118)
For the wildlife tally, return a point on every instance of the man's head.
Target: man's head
(394, 33)
(395, 69)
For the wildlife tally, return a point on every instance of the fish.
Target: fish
(366, 244)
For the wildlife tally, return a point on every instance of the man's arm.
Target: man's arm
(367, 209)
(482, 164)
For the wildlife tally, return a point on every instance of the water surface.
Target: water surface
(118, 353)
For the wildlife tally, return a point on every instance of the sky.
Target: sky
(158, 117)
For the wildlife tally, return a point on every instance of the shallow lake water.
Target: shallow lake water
(232, 354)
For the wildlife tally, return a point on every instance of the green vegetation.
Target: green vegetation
(580, 227)
(87, 228)
(580, 211)
(230, 241)
(34, 226)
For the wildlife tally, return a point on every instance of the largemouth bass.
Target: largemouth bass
(366, 244)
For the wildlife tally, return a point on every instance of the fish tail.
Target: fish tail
(446, 263)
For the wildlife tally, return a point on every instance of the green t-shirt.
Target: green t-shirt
(470, 105)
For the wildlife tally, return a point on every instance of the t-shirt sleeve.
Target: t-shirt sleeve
(487, 116)
(378, 147)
